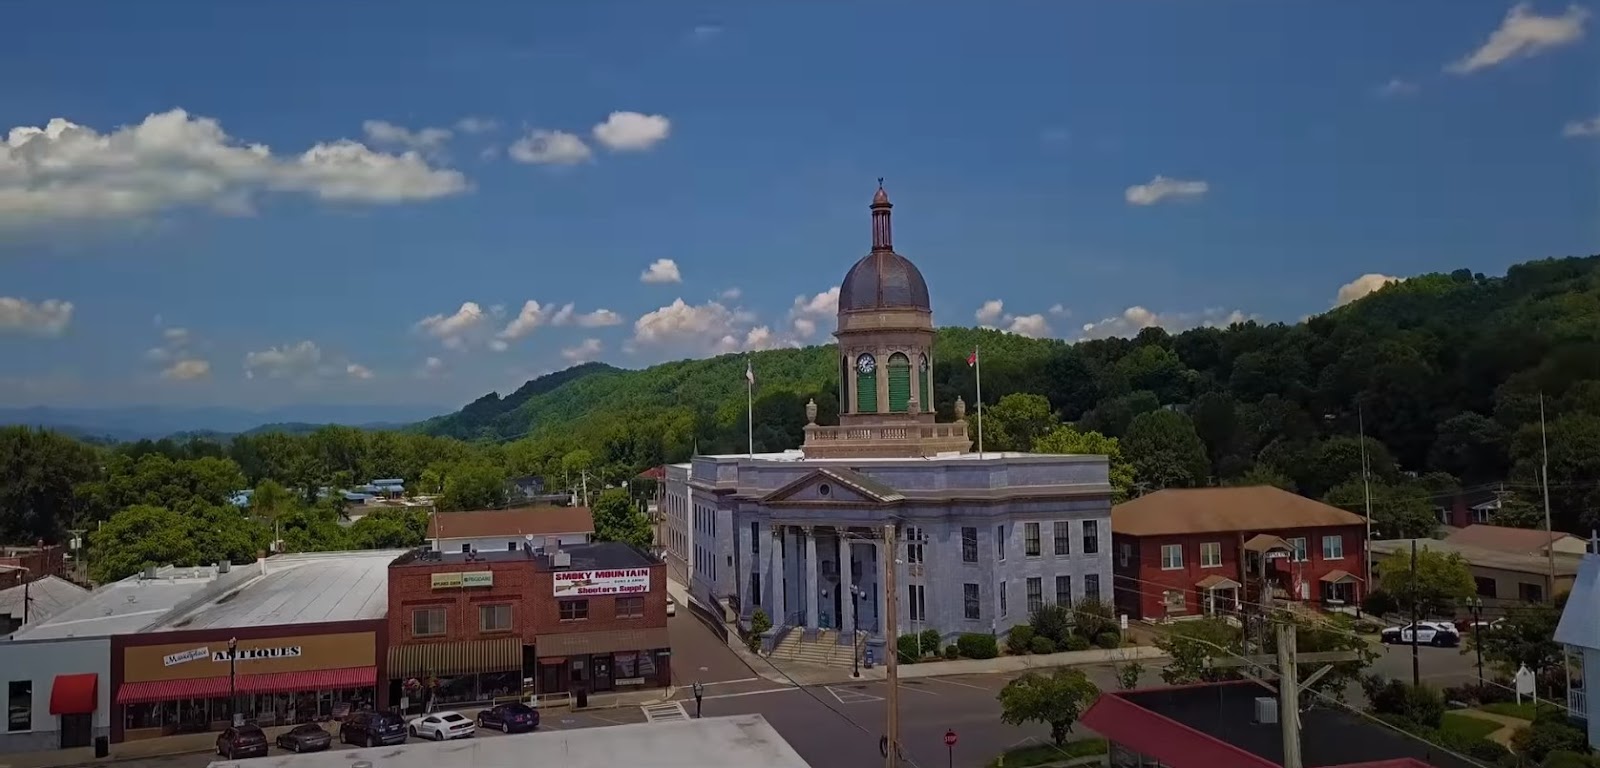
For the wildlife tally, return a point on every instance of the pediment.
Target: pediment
(834, 486)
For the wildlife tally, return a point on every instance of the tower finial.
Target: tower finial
(881, 239)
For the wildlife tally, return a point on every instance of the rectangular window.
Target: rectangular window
(494, 618)
(1091, 586)
(969, 545)
(466, 548)
(1091, 537)
(1000, 542)
(1064, 591)
(1171, 557)
(1002, 600)
(1174, 601)
(1487, 587)
(1035, 594)
(1299, 545)
(1530, 593)
(19, 700)
(574, 610)
(755, 589)
(1124, 554)
(630, 607)
(511, 546)
(913, 544)
(1063, 535)
(426, 622)
(755, 539)
(1030, 539)
(1332, 547)
(969, 602)
(916, 605)
(1211, 554)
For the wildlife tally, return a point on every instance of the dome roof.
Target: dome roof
(883, 280)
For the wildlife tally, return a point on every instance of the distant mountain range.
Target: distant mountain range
(138, 422)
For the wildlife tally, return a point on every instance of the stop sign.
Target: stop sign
(949, 738)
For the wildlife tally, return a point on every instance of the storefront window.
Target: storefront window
(495, 685)
(266, 709)
(625, 665)
(19, 699)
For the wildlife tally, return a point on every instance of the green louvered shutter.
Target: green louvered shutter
(867, 392)
(899, 383)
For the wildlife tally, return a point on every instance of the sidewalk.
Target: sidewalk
(810, 674)
(200, 743)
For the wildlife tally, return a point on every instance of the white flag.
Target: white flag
(749, 373)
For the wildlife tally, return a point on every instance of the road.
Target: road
(1440, 667)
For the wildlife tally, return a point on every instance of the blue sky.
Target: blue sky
(231, 213)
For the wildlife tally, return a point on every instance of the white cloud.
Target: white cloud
(707, 328)
(432, 366)
(1523, 34)
(661, 271)
(187, 370)
(1581, 128)
(1134, 319)
(632, 131)
(1362, 286)
(732, 294)
(704, 33)
(530, 318)
(807, 312)
(288, 361)
(541, 147)
(1060, 310)
(355, 371)
(453, 330)
(1397, 87)
(45, 318)
(1162, 188)
(476, 125)
(66, 171)
(1032, 326)
(176, 335)
(588, 350)
(423, 139)
(991, 312)
(600, 318)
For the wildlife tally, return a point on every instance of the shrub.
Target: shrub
(931, 640)
(1042, 644)
(1019, 639)
(1052, 621)
(952, 652)
(1075, 643)
(759, 624)
(1091, 618)
(909, 648)
(1563, 759)
(1108, 640)
(975, 645)
(1379, 603)
(1550, 732)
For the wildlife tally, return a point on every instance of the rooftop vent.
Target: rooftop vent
(150, 571)
(1266, 710)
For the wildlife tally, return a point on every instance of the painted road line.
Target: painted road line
(963, 685)
(761, 692)
(847, 696)
(730, 682)
(668, 712)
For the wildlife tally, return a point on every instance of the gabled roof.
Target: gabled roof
(49, 596)
(1580, 619)
(1523, 540)
(845, 477)
(1217, 510)
(518, 522)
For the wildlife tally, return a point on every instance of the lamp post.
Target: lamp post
(1475, 605)
(855, 629)
(233, 680)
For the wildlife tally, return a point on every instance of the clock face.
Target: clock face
(922, 363)
(866, 365)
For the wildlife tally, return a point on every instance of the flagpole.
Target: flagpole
(977, 367)
(750, 407)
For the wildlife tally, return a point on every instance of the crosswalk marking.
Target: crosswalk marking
(665, 712)
(848, 696)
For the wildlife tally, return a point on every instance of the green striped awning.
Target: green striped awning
(464, 657)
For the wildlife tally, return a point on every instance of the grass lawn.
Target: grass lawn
(1467, 726)
(1525, 710)
(1045, 754)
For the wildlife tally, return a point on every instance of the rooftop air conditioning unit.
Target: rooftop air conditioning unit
(150, 571)
(561, 560)
(1266, 710)
(223, 566)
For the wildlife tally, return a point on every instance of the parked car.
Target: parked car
(1465, 625)
(305, 738)
(440, 726)
(509, 718)
(371, 729)
(246, 740)
(1440, 633)
(672, 606)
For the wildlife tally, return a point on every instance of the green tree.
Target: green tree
(40, 472)
(1262, 475)
(1525, 636)
(1056, 699)
(1165, 451)
(270, 499)
(1191, 643)
(140, 536)
(1014, 423)
(617, 519)
(1440, 582)
(1067, 440)
(474, 485)
(1518, 511)
(389, 529)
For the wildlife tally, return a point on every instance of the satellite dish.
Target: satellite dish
(527, 536)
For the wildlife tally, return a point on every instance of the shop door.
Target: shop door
(600, 671)
(77, 730)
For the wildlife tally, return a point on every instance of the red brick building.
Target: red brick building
(1200, 551)
(19, 565)
(488, 625)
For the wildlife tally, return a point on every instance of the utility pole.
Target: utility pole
(1549, 547)
(1416, 659)
(584, 479)
(1288, 681)
(1366, 493)
(1288, 695)
(891, 636)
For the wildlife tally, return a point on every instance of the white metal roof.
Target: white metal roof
(741, 741)
(297, 589)
(49, 596)
(123, 607)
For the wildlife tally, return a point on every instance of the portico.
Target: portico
(818, 576)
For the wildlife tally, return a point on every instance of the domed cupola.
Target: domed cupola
(883, 279)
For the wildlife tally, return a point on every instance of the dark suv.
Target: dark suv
(370, 729)
(242, 741)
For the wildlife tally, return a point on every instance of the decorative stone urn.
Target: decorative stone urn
(912, 406)
(961, 408)
(811, 411)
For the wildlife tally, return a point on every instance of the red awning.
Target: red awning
(74, 694)
(277, 682)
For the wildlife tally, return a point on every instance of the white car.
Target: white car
(672, 606)
(1441, 633)
(441, 726)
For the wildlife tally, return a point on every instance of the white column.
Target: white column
(811, 577)
(743, 543)
(880, 600)
(763, 563)
(847, 601)
(775, 609)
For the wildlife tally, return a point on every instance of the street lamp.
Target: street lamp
(233, 680)
(1475, 605)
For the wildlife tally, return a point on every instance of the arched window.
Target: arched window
(866, 384)
(844, 383)
(925, 374)
(899, 383)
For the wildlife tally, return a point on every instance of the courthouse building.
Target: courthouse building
(983, 537)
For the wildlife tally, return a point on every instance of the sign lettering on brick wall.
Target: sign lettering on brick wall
(617, 581)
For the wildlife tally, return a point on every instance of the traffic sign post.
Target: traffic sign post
(950, 748)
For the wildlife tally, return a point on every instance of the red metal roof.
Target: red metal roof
(74, 694)
(1169, 741)
(277, 682)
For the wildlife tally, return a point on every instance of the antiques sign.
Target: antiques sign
(253, 654)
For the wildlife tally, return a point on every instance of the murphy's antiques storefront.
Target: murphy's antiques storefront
(187, 682)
